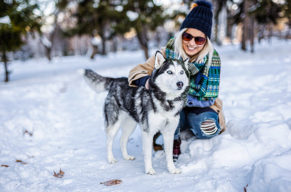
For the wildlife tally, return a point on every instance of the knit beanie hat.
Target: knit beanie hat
(200, 17)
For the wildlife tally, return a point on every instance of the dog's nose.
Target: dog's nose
(180, 84)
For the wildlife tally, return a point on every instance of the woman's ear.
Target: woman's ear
(159, 59)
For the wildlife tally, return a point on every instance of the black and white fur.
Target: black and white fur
(155, 109)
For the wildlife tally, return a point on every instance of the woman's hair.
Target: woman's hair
(178, 47)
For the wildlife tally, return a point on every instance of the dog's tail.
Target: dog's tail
(97, 82)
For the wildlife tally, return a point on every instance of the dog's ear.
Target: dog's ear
(159, 59)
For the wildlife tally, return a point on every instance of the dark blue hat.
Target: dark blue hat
(200, 17)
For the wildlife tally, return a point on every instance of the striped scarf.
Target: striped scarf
(204, 79)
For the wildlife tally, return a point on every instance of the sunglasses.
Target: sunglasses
(189, 37)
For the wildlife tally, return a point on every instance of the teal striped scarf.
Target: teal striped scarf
(204, 81)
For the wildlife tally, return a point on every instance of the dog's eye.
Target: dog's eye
(170, 72)
(181, 72)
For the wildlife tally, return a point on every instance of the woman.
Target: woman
(203, 112)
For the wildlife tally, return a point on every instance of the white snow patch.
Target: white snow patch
(51, 120)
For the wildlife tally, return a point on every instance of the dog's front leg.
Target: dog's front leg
(147, 150)
(168, 137)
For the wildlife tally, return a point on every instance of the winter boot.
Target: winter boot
(176, 149)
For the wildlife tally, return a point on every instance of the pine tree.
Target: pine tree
(94, 18)
(245, 21)
(266, 11)
(108, 18)
(143, 16)
(286, 7)
(55, 39)
(263, 12)
(10, 40)
(21, 21)
(188, 3)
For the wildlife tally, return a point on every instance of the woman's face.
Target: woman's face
(190, 47)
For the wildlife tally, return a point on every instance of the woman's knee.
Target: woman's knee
(208, 127)
(204, 125)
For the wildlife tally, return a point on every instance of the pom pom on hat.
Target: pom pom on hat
(194, 5)
(203, 3)
(200, 17)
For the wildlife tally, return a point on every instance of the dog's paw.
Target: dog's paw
(112, 160)
(129, 157)
(151, 171)
(175, 171)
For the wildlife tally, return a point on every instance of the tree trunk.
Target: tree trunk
(52, 37)
(5, 60)
(261, 33)
(270, 34)
(94, 51)
(103, 46)
(48, 51)
(103, 38)
(146, 51)
(143, 40)
(114, 44)
(252, 34)
(216, 20)
(144, 45)
(245, 26)
(158, 37)
(216, 32)
(287, 36)
(229, 26)
(47, 44)
(244, 38)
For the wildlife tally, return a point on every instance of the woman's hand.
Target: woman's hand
(147, 84)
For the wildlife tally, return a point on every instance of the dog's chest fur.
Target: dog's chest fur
(156, 109)
(141, 104)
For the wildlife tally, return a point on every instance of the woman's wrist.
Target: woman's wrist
(143, 81)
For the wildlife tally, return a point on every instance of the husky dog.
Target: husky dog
(154, 109)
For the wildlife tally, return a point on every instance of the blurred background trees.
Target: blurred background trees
(53, 28)
(18, 20)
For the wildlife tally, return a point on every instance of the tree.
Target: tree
(263, 12)
(56, 34)
(108, 18)
(10, 40)
(286, 7)
(242, 16)
(20, 21)
(143, 16)
(188, 3)
(267, 13)
(94, 18)
(219, 5)
(246, 22)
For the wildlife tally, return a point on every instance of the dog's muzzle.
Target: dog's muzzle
(180, 85)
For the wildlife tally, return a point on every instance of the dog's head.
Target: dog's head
(170, 76)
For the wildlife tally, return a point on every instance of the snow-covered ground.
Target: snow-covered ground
(51, 120)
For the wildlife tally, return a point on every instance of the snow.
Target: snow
(51, 102)
(132, 15)
(96, 41)
(119, 8)
(46, 42)
(5, 20)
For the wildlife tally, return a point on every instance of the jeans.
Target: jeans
(193, 118)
